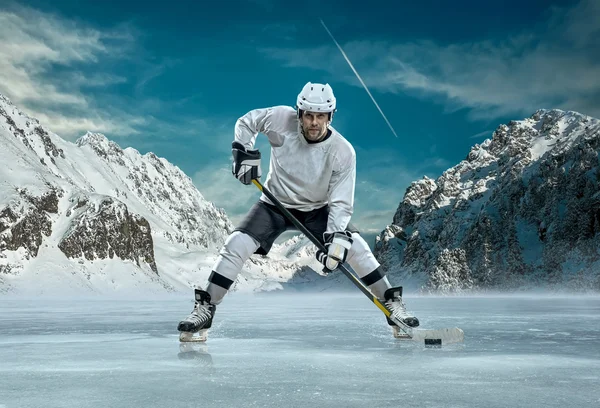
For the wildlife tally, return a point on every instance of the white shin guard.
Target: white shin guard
(378, 288)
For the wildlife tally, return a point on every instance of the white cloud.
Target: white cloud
(34, 43)
(75, 125)
(553, 65)
(95, 80)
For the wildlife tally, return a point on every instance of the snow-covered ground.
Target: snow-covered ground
(298, 350)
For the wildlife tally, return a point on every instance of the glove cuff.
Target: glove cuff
(328, 237)
(240, 156)
(238, 146)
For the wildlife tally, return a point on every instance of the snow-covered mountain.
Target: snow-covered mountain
(521, 211)
(92, 216)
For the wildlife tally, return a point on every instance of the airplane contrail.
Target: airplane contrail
(359, 78)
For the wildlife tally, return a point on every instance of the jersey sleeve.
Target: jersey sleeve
(341, 193)
(263, 120)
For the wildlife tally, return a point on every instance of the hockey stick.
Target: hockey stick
(432, 337)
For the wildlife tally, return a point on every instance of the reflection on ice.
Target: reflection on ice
(198, 353)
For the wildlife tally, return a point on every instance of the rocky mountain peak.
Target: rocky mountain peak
(92, 138)
(5, 100)
(103, 147)
(521, 209)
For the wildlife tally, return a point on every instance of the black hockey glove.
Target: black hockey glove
(246, 163)
(337, 245)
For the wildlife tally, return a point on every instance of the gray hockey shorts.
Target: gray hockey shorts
(264, 222)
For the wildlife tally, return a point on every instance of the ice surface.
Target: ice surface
(298, 350)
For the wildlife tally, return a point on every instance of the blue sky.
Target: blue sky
(172, 78)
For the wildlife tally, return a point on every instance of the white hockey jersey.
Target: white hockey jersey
(303, 175)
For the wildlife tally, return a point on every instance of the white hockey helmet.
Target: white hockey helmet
(316, 98)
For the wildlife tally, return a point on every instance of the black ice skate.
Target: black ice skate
(399, 316)
(194, 328)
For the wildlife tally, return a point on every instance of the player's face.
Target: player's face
(314, 125)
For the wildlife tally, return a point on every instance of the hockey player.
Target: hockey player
(312, 173)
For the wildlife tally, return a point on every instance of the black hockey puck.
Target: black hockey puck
(433, 342)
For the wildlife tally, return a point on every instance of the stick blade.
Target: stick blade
(445, 336)
(431, 336)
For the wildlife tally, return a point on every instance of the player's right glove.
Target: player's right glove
(246, 163)
(337, 245)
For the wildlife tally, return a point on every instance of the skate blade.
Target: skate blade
(198, 337)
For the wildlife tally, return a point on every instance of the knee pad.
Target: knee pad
(238, 247)
(360, 257)
(240, 244)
